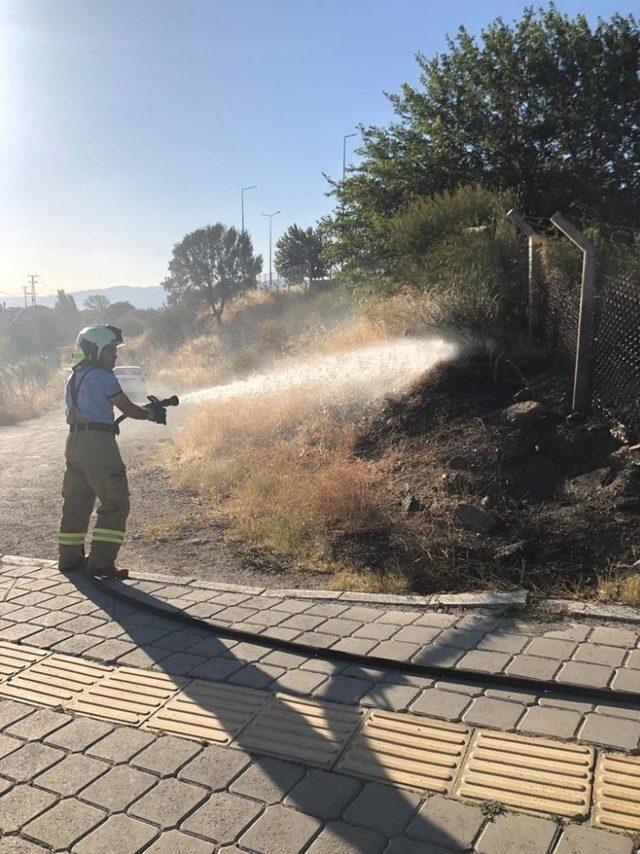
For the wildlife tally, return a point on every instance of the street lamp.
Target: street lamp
(344, 152)
(252, 187)
(271, 216)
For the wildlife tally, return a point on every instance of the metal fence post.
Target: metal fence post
(534, 240)
(584, 350)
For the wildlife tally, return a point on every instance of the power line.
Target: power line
(47, 287)
(21, 312)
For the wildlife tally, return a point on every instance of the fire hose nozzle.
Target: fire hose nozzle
(170, 401)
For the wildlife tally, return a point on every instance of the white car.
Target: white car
(132, 382)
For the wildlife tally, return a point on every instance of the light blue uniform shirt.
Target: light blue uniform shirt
(96, 391)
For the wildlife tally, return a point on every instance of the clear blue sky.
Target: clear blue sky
(127, 123)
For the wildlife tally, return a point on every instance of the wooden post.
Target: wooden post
(584, 350)
(534, 240)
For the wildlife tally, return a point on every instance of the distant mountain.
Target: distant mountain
(141, 297)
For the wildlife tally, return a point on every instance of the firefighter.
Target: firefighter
(94, 466)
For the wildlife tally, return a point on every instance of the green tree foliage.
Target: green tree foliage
(97, 302)
(548, 106)
(213, 264)
(126, 316)
(171, 326)
(300, 253)
(65, 306)
(36, 332)
(120, 309)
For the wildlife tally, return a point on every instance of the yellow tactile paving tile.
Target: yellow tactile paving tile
(127, 695)
(54, 681)
(535, 775)
(617, 792)
(208, 710)
(15, 657)
(310, 731)
(407, 750)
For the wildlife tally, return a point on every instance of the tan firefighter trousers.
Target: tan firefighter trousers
(94, 470)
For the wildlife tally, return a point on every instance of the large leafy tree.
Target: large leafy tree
(97, 302)
(300, 253)
(65, 305)
(548, 107)
(212, 265)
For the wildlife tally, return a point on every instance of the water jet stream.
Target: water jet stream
(362, 375)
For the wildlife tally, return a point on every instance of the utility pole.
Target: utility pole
(32, 282)
(242, 192)
(344, 152)
(271, 216)
(25, 288)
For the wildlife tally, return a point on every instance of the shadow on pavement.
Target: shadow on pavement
(201, 655)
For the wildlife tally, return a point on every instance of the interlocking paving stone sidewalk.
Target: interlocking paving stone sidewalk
(277, 807)
(98, 786)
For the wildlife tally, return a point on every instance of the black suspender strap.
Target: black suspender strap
(76, 384)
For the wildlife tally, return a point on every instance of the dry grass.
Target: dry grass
(624, 590)
(395, 581)
(23, 399)
(295, 505)
(283, 469)
(164, 532)
(197, 363)
(263, 327)
(406, 313)
(259, 329)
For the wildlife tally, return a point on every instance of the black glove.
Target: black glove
(157, 413)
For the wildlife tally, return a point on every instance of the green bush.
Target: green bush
(460, 247)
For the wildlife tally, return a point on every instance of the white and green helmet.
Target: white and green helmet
(93, 339)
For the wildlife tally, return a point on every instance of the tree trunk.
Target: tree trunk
(217, 312)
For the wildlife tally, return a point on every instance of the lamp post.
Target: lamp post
(252, 187)
(344, 152)
(270, 216)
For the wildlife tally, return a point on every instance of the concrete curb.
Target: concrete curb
(484, 599)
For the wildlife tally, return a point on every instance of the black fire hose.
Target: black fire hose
(432, 671)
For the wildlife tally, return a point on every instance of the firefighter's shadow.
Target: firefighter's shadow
(192, 654)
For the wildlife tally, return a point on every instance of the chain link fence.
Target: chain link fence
(615, 365)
